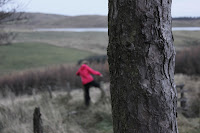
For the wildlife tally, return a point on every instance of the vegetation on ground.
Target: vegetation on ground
(88, 41)
(191, 93)
(186, 22)
(22, 56)
(188, 61)
(57, 77)
(96, 42)
(62, 113)
(185, 39)
(67, 113)
(85, 44)
(35, 50)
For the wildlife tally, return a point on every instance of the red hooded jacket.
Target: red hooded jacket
(85, 73)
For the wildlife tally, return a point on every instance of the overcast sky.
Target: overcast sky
(98, 7)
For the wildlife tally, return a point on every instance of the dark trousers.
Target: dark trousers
(87, 93)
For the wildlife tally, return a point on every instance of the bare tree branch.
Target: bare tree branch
(8, 16)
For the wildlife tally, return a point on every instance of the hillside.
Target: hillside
(23, 56)
(186, 22)
(40, 20)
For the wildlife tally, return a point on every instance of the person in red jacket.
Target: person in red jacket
(87, 80)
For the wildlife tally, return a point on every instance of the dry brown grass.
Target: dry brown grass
(192, 87)
(64, 114)
(57, 77)
(188, 61)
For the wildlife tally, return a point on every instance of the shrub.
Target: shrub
(188, 61)
(57, 77)
(195, 107)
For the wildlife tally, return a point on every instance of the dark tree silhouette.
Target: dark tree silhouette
(141, 57)
(8, 15)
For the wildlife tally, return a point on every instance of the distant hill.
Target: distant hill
(40, 20)
(186, 22)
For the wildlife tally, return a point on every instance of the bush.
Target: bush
(194, 108)
(57, 77)
(188, 61)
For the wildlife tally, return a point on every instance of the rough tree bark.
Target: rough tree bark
(141, 57)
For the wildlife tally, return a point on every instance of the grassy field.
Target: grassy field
(66, 113)
(186, 23)
(88, 41)
(63, 113)
(183, 39)
(37, 49)
(96, 41)
(21, 56)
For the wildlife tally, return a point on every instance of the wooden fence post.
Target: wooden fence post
(182, 99)
(37, 121)
(102, 90)
(34, 94)
(68, 89)
(50, 91)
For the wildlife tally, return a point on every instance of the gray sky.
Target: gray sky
(98, 7)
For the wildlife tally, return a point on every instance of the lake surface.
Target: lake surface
(106, 29)
(75, 29)
(186, 28)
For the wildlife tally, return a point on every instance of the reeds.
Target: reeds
(56, 77)
(188, 61)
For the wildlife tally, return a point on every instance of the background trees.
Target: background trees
(8, 15)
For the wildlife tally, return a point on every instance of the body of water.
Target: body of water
(106, 29)
(186, 28)
(75, 29)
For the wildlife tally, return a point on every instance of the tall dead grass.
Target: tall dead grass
(188, 61)
(61, 114)
(64, 114)
(56, 77)
(192, 93)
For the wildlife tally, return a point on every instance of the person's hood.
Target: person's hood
(83, 66)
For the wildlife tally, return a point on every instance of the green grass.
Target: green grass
(65, 47)
(88, 41)
(97, 41)
(22, 56)
(184, 39)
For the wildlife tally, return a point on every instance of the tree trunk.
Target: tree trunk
(141, 57)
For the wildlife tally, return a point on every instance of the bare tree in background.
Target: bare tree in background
(141, 56)
(8, 15)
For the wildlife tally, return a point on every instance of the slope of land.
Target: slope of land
(97, 42)
(39, 49)
(23, 56)
(186, 22)
(41, 20)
